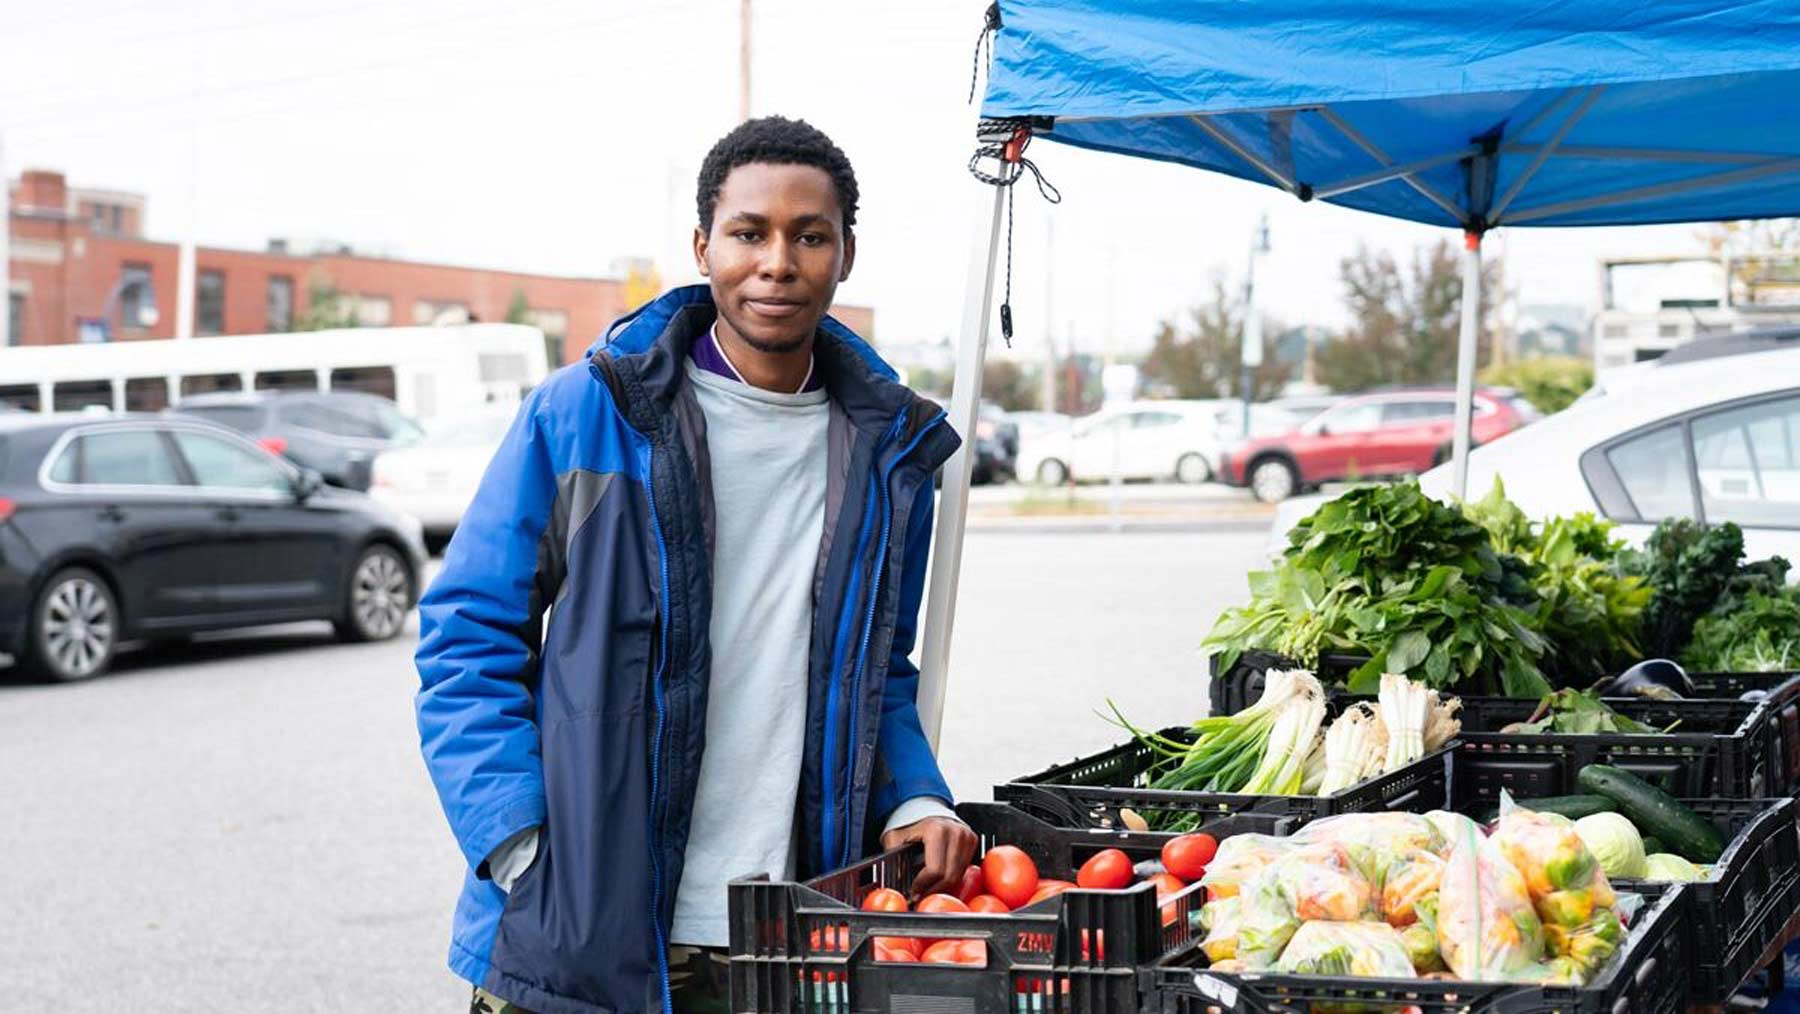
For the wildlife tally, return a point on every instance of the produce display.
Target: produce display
(1280, 746)
(1578, 711)
(1006, 879)
(1478, 598)
(1399, 895)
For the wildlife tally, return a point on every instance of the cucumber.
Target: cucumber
(1656, 813)
(1572, 807)
(1653, 845)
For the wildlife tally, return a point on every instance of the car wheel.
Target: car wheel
(1192, 469)
(1272, 480)
(378, 597)
(1052, 472)
(74, 627)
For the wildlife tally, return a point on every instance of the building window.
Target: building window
(75, 395)
(209, 382)
(146, 394)
(137, 303)
(374, 311)
(15, 318)
(434, 311)
(287, 380)
(209, 303)
(281, 303)
(107, 217)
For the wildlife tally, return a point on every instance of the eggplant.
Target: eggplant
(1655, 678)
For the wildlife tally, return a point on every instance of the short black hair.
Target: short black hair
(776, 140)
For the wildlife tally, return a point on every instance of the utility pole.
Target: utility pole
(1050, 318)
(5, 250)
(743, 60)
(1252, 352)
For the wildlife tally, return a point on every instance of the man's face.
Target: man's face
(776, 253)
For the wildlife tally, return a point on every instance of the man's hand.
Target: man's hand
(949, 847)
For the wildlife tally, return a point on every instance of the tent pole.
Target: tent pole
(953, 501)
(1465, 361)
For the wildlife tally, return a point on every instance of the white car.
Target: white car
(435, 479)
(1149, 440)
(1713, 439)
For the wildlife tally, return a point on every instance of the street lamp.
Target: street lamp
(1251, 354)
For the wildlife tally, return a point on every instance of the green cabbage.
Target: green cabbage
(1615, 841)
(1663, 866)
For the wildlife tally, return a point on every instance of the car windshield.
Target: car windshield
(243, 418)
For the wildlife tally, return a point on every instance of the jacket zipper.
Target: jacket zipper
(862, 652)
(656, 689)
(829, 830)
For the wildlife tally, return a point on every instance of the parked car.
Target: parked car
(1031, 424)
(116, 528)
(336, 433)
(1390, 433)
(996, 446)
(1266, 419)
(1150, 439)
(435, 479)
(1713, 439)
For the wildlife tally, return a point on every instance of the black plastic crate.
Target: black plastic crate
(807, 947)
(1742, 905)
(1648, 975)
(1090, 791)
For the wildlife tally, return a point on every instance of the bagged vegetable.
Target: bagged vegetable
(1391, 832)
(1567, 885)
(1404, 882)
(1453, 827)
(1421, 945)
(1222, 920)
(1587, 946)
(1365, 949)
(1316, 882)
(1239, 858)
(1488, 930)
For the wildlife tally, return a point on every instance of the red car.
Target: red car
(1386, 434)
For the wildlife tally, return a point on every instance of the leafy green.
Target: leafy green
(1580, 712)
(1689, 567)
(1412, 582)
(1588, 610)
(1758, 632)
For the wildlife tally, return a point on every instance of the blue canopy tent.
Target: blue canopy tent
(1471, 116)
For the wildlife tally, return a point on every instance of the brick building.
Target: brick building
(82, 270)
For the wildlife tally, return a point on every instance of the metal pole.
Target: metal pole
(743, 60)
(1465, 361)
(5, 251)
(953, 501)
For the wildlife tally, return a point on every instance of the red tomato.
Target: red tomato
(1049, 889)
(831, 938)
(1186, 857)
(1100, 949)
(893, 949)
(1106, 871)
(957, 952)
(987, 903)
(1167, 885)
(884, 899)
(973, 884)
(942, 903)
(1011, 875)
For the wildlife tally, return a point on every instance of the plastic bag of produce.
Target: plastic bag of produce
(1404, 882)
(1453, 826)
(1586, 947)
(1392, 833)
(1239, 858)
(1317, 882)
(1222, 920)
(1369, 950)
(1564, 877)
(1488, 930)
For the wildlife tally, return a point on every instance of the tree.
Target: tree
(1009, 385)
(327, 306)
(1550, 383)
(1203, 361)
(518, 309)
(1404, 329)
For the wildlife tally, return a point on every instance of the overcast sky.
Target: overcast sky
(559, 135)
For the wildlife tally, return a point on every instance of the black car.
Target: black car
(335, 433)
(127, 527)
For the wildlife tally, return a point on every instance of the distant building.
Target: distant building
(82, 270)
(1551, 329)
(1649, 305)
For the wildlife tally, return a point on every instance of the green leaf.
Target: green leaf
(1407, 651)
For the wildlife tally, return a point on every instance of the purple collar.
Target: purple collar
(711, 358)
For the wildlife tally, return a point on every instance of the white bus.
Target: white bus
(427, 371)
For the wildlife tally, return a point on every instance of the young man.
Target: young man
(725, 515)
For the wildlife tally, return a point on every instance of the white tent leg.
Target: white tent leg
(1465, 362)
(953, 502)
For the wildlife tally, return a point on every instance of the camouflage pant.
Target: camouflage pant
(699, 983)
